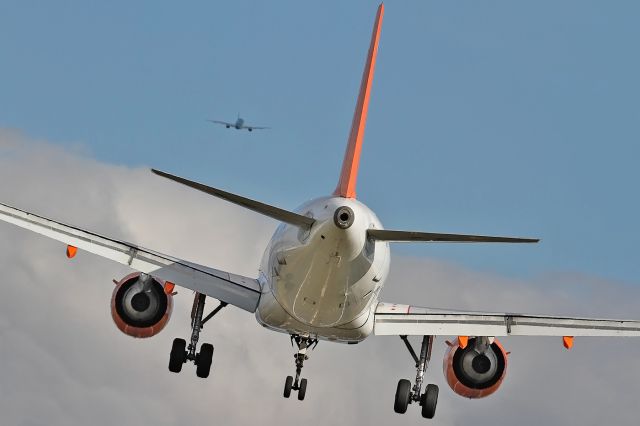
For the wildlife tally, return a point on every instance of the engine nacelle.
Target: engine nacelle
(140, 307)
(477, 370)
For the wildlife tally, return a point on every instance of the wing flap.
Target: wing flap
(391, 319)
(236, 290)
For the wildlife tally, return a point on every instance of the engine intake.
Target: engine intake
(139, 305)
(476, 371)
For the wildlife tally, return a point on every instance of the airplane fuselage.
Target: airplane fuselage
(324, 281)
(239, 123)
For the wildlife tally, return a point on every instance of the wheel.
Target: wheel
(205, 359)
(178, 355)
(302, 390)
(403, 393)
(288, 384)
(228, 127)
(429, 400)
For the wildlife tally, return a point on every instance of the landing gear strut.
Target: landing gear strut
(406, 394)
(298, 384)
(180, 353)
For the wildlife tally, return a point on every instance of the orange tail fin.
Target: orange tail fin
(349, 174)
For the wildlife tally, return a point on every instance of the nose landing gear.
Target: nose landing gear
(298, 384)
(406, 394)
(180, 353)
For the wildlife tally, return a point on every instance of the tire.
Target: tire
(205, 359)
(429, 401)
(288, 384)
(403, 393)
(178, 355)
(303, 389)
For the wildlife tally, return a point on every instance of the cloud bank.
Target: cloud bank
(62, 361)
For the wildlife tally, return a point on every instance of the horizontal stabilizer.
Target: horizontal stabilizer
(262, 208)
(411, 236)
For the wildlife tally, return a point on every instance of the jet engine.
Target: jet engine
(140, 306)
(477, 369)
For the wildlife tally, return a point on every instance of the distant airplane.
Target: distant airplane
(320, 279)
(239, 124)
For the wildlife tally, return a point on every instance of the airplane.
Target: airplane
(319, 280)
(239, 124)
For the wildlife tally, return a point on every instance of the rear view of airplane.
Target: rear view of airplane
(320, 279)
(239, 124)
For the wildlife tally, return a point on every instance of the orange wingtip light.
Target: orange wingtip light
(168, 287)
(463, 341)
(71, 251)
(567, 341)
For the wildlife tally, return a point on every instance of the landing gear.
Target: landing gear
(288, 385)
(406, 394)
(429, 400)
(180, 353)
(403, 396)
(204, 360)
(298, 384)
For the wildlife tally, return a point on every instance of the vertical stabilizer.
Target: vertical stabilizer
(349, 174)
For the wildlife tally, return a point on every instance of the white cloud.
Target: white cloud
(62, 361)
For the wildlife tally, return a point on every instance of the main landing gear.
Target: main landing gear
(299, 385)
(405, 394)
(180, 353)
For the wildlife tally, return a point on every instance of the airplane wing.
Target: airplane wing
(250, 128)
(392, 319)
(224, 123)
(236, 290)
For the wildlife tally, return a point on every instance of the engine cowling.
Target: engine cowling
(472, 373)
(140, 307)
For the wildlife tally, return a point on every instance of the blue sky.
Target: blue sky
(494, 117)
